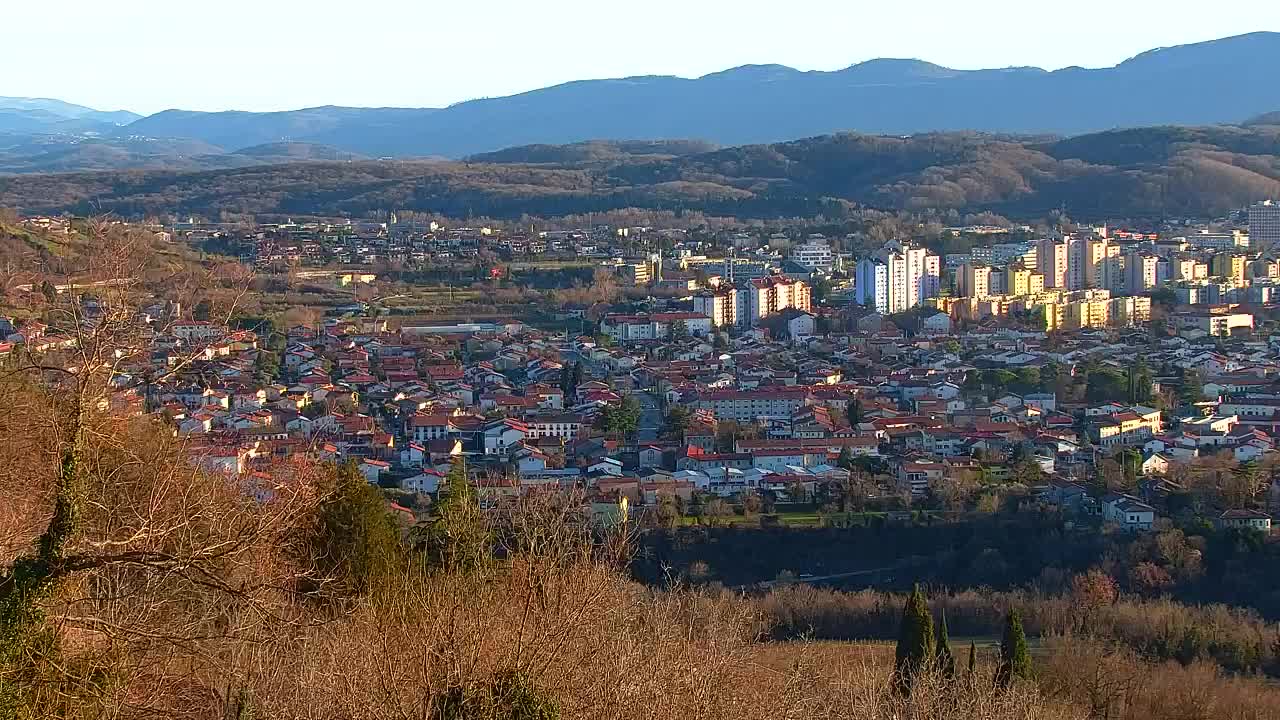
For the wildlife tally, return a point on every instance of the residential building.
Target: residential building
(1234, 240)
(813, 254)
(898, 278)
(720, 305)
(1128, 512)
(762, 297)
(1245, 520)
(1213, 322)
(1264, 224)
(973, 281)
(1229, 265)
(871, 284)
(1140, 269)
(1051, 262)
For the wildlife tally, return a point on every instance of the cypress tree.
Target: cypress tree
(1015, 659)
(915, 641)
(973, 661)
(357, 546)
(946, 661)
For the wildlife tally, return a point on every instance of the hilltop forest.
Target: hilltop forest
(1151, 173)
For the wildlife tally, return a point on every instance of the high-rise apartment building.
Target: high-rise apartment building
(1264, 225)
(973, 281)
(871, 284)
(762, 297)
(1140, 269)
(898, 278)
(720, 305)
(1051, 261)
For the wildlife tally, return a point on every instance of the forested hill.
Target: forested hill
(1144, 172)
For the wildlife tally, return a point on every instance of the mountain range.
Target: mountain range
(1220, 81)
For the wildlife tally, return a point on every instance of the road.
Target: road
(651, 412)
(650, 418)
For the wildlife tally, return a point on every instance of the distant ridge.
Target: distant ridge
(1157, 172)
(1219, 81)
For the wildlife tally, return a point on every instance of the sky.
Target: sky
(151, 55)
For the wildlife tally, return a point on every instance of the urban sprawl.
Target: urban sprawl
(735, 374)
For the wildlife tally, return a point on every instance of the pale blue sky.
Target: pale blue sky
(148, 55)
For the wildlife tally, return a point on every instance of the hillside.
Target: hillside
(293, 151)
(1225, 80)
(1145, 172)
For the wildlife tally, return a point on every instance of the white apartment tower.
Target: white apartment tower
(1141, 271)
(898, 278)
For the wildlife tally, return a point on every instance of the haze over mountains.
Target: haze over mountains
(1221, 81)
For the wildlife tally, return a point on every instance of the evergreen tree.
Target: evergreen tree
(973, 661)
(357, 546)
(1015, 659)
(945, 660)
(577, 376)
(845, 460)
(853, 409)
(458, 537)
(915, 641)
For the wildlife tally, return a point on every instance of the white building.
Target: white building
(871, 280)
(813, 255)
(1234, 240)
(909, 276)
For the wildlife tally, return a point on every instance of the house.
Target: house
(650, 456)
(1065, 494)
(502, 435)
(936, 324)
(919, 475)
(1245, 520)
(427, 482)
(1128, 512)
(1155, 464)
(373, 470)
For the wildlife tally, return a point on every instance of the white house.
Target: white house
(1128, 512)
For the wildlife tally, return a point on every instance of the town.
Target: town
(1127, 379)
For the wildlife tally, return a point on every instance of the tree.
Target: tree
(1105, 385)
(1015, 658)
(973, 661)
(357, 543)
(915, 641)
(679, 330)
(716, 510)
(622, 420)
(1026, 472)
(821, 291)
(677, 422)
(944, 660)
(458, 537)
(202, 311)
(1192, 389)
(853, 409)
(845, 459)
